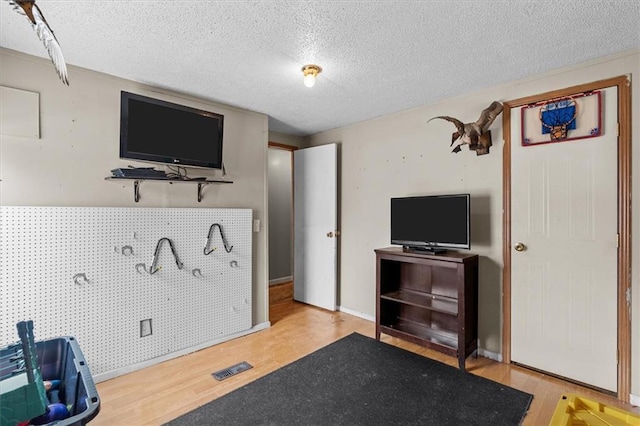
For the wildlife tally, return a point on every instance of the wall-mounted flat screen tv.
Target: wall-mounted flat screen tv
(164, 132)
(433, 223)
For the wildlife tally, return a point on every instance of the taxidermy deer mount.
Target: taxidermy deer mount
(476, 135)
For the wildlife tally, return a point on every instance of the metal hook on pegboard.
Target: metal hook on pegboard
(196, 272)
(154, 263)
(227, 247)
(80, 279)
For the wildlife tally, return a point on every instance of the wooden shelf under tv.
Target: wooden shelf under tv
(434, 302)
(138, 180)
(428, 299)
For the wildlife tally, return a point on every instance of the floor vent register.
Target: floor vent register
(231, 371)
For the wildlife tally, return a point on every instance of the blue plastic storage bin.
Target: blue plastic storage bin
(57, 359)
(62, 358)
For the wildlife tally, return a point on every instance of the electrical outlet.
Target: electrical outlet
(145, 328)
(256, 225)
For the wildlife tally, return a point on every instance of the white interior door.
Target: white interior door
(564, 282)
(315, 225)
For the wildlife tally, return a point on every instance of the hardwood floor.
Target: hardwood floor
(280, 293)
(162, 392)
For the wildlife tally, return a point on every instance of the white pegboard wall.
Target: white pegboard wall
(43, 248)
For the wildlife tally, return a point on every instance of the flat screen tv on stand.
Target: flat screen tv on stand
(433, 224)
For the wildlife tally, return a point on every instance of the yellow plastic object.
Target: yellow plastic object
(576, 410)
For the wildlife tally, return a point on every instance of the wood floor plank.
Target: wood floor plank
(159, 393)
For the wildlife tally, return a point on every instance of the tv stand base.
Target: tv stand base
(430, 250)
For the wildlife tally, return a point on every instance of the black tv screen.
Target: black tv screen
(164, 132)
(428, 222)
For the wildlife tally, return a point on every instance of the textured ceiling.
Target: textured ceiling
(378, 57)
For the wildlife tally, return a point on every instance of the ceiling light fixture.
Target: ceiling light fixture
(310, 73)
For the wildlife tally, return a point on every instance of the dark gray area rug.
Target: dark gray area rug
(360, 381)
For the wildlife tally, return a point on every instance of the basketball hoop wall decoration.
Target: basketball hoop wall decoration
(563, 119)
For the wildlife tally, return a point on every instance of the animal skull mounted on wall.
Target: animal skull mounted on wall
(477, 134)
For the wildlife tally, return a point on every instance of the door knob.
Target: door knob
(520, 247)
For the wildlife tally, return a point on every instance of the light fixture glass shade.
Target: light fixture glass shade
(309, 80)
(310, 73)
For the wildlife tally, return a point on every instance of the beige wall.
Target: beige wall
(280, 206)
(402, 154)
(79, 145)
(279, 170)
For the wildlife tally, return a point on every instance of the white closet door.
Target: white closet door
(315, 226)
(564, 282)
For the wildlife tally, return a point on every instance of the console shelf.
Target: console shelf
(428, 299)
(434, 302)
(408, 330)
(137, 181)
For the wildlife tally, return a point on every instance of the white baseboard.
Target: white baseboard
(357, 313)
(148, 363)
(280, 280)
(634, 399)
(489, 354)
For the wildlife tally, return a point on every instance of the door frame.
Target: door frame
(291, 149)
(623, 84)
